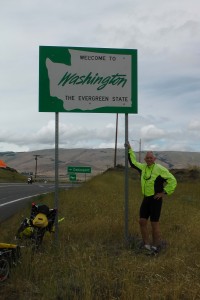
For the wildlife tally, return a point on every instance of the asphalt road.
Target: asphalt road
(15, 196)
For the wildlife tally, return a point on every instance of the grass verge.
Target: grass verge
(91, 260)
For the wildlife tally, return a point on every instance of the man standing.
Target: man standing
(156, 181)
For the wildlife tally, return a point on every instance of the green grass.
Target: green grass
(91, 260)
(7, 175)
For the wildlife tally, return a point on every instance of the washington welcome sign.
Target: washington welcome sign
(77, 79)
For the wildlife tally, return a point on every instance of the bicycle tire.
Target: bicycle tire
(4, 269)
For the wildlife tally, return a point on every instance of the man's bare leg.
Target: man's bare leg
(156, 236)
(144, 230)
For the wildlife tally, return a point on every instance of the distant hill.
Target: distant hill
(98, 159)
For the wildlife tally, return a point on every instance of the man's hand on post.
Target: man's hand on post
(127, 145)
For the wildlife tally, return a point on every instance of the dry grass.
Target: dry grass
(90, 259)
(7, 175)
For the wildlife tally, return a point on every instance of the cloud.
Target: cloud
(194, 125)
(168, 43)
(70, 136)
(151, 132)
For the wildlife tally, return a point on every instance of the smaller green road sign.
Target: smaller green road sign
(72, 169)
(72, 177)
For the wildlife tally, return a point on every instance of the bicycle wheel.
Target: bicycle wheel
(4, 269)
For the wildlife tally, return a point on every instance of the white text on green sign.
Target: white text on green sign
(72, 177)
(87, 79)
(72, 169)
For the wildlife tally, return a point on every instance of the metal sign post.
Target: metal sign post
(56, 172)
(126, 206)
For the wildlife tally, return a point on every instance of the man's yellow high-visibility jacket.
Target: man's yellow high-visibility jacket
(154, 178)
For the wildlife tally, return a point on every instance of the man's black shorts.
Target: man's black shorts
(151, 208)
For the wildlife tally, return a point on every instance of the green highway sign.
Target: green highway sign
(95, 80)
(72, 177)
(81, 169)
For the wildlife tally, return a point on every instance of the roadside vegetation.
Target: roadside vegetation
(90, 258)
(11, 175)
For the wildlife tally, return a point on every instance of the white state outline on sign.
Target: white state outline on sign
(85, 96)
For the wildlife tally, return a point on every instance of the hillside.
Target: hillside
(98, 159)
(10, 175)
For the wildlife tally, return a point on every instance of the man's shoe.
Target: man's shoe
(146, 249)
(154, 250)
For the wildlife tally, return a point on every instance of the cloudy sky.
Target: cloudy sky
(166, 35)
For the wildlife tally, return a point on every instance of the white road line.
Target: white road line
(20, 199)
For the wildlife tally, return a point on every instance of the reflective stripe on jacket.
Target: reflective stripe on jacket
(154, 178)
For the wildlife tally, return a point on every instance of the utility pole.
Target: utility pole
(36, 159)
(140, 147)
